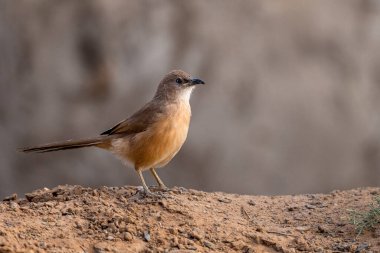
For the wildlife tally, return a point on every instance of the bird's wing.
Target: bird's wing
(138, 122)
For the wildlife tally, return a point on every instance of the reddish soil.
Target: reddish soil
(110, 219)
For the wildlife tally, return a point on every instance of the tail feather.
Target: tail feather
(69, 144)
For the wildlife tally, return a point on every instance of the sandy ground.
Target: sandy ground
(108, 219)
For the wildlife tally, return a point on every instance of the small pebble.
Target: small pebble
(209, 245)
(173, 231)
(42, 244)
(146, 236)
(362, 247)
(224, 200)
(14, 206)
(12, 197)
(128, 236)
(302, 228)
(309, 206)
(251, 202)
(323, 229)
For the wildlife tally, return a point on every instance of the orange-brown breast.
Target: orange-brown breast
(156, 146)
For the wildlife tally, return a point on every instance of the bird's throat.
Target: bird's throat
(185, 94)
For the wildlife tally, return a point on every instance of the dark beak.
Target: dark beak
(196, 81)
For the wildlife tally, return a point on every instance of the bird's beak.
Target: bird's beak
(196, 81)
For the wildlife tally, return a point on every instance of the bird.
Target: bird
(152, 136)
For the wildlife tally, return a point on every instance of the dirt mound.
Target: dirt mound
(110, 219)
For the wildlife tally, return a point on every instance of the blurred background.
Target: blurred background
(291, 105)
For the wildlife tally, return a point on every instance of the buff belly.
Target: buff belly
(155, 147)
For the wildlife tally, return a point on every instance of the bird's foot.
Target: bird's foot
(149, 194)
(146, 193)
(143, 196)
(160, 188)
(164, 188)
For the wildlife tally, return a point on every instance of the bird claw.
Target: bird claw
(160, 188)
(149, 194)
(143, 195)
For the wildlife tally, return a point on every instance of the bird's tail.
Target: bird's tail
(69, 144)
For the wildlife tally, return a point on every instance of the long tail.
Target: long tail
(69, 144)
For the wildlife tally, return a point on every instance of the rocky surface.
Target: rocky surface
(110, 219)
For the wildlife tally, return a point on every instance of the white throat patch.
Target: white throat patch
(186, 93)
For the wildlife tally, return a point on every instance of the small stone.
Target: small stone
(309, 206)
(128, 236)
(12, 197)
(121, 225)
(323, 229)
(190, 247)
(14, 206)
(174, 241)
(345, 247)
(302, 228)
(146, 236)
(50, 219)
(130, 229)
(104, 225)
(182, 241)
(208, 244)
(301, 244)
(78, 225)
(42, 244)
(112, 228)
(224, 200)
(248, 249)
(238, 245)
(173, 231)
(67, 211)
(110, 238)
(196, 235)
(164, 203)
(251, 202)
(362, 248)
(49, 204)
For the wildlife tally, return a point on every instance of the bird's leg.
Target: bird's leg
(146, 189)
(158, 179)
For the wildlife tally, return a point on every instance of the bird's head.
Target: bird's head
(177, 85)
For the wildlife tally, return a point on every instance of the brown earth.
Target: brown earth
(111, 219)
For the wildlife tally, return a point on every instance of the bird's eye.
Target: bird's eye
(178, 80)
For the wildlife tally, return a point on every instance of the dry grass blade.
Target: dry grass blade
(366, 220)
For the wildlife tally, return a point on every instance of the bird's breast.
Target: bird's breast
(156, 146)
